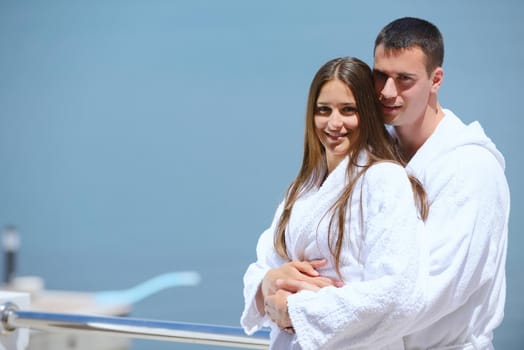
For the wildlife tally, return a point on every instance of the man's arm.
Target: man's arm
(467, 233)
(305, 271)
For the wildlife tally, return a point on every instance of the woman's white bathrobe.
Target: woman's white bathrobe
(467, 227)
(380, 263)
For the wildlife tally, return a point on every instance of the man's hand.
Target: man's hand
(305, 271)
(295, 286)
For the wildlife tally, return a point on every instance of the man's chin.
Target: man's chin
(390, 119)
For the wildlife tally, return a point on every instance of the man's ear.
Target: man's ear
(436, 79)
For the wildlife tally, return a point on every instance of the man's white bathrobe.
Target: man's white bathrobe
(380, 264)
(467, 228)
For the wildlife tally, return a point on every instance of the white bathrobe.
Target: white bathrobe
(467, 228)
(380, 263)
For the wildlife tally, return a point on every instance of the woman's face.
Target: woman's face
(336, 120)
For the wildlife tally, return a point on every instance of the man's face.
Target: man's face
(402, 84)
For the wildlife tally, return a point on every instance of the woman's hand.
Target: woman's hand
(275, 307)
(289, 278)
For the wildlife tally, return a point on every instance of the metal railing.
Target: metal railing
(13, 318)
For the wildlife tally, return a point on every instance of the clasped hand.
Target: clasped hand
(291, 278)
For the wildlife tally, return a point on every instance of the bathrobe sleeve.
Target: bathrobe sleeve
(251, 319)
(372, 312)
(467, 229)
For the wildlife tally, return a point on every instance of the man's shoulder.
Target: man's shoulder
(460, 145)
(469, 169)
(466, 159)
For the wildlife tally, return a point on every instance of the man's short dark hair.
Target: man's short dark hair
(409, 32)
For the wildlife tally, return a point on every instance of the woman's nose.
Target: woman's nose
(335, 120)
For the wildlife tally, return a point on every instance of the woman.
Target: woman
(353, 206)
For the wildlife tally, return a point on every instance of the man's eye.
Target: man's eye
(405, 81)
(323, 110)
(379, 77)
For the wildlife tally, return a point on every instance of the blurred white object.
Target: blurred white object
(147, 288)
(103, 303)
(27, 284)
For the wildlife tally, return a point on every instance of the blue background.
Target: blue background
(141, 137)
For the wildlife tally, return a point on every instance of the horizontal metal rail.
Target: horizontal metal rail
(13, 318)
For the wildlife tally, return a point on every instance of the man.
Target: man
(463, 175)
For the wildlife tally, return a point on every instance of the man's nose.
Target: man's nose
(389, 90)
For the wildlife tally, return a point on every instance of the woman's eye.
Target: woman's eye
(323, 110)
(348, 110)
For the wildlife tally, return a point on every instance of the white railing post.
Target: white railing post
(13, 339)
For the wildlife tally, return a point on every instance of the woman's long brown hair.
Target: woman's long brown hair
(372, 137)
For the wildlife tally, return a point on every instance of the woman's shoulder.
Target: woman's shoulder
(379, 167)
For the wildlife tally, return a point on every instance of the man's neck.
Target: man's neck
(413, 136)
